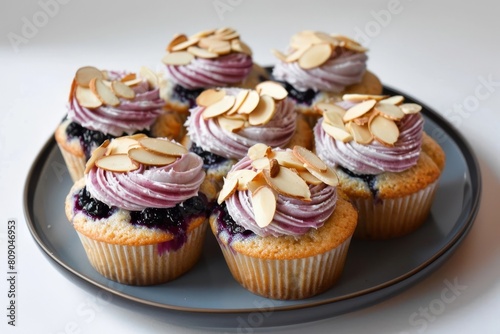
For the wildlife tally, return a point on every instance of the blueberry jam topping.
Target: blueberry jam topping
(368, 178)
(305, 97)
(209, 159)
(186, 95)
(226, 222)
(94, 208)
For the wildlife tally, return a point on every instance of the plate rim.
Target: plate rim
(465, 149)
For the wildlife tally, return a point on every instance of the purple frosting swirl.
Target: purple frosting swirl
(128, 117)
(293, 217)
(344, 68)
(207, 133)
(200, 73)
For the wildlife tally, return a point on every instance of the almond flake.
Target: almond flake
(365, 119)
(86, 98)
(222, 48)
(132, 82)
(309, 159)
(201, 53)
(325, 38)
(410, 108)
(355, 46)
(149, 76)
(163, 146)
(296, 54)
(396, 99)
(264, 205)
(258, 181)
(273, 89)
(121, 145)
(309, 178)
(119, 163)
(264, 111)
(323, 107)
(219, 108)
(178, 39)
(250, 103)
(149, 158)
(98, 153)
(128, 77)
(203, 33)
(288, 159)
(258, 151)
(261, 163)
(329, 177)
(103, 92)
(360, 133)
(178, 58)
(186, 44)
(240, 47)
(240, 98)
(359, 110)
(288, 183)
(389, 111)
(333, 118)
(85, 74)
(384, 130)
(122, 90)
(315, 56)
(362, 97)
(230, 36)
(244, 176)
(231, 124)
(224, 31)
(209, 97)
(336, 132)
(229, 187)
(279, 55)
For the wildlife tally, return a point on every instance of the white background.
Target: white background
(440, 52)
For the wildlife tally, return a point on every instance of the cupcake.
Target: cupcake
(140, 211)
(104, 105)
(226, 122)
(387, 165)
(283, 226)
(318, 67)
(211, 58)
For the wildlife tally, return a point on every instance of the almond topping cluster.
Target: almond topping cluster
(206, 44)
(93, 89)
(248, 108)
(312, 49)
(125, 154)
(373, 117)
(288, 173)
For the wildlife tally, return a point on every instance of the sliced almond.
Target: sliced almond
(258, 181)
(72, 90)
(360, 133)
(336, 132)
(333, 118)
(309, 178)
(362, 97)
(389, 111)
(288, 183)
(250, 103)
(355, 46)
(98, 153)
(149, 158)
(220, 48)
(296, 54)
(86, 98)
(163, 146)
(309, 159)
(128, 77)
(323, 107)
(315, 56)
(244, 176)
(410, 108)
(119, 163)
(178, 39)
(261, 163)
(204, 33)
(231, 124)
(264, 205)
(186, 44)
(229, 187)
(323, 37)
(240, 98)
(132, 82)
(85, 74)
(224, 31)
(121, 145)
(122, 90)
(202, 53)
(359, 110)
(103, 92)
(365, 119)
(288, 159)
(384, 130)
(396, 99)
(264, 111)
(229, 36)
(240, 47)
(329, 177)
(149, 76)
(273, 89)
(219, 108)
(258, 151)
(178, 58)
(209, 97)
(278, 54)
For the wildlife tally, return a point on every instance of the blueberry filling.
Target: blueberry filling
(186, 95)
(226, 223)
(92, 207)
(209, 159)
(304, 97)
(369, 179)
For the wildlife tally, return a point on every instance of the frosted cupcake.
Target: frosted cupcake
(386, 163)
(211, 58)
(141, 210)
(104, 105)
(318, 67)
(282, 225)
(226, 122)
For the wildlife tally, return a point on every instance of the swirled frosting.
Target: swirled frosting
(222, 71)
(128, 117)
(373, 158)
(146, 187)
(292, 217)
(342, 69)
(207, 133)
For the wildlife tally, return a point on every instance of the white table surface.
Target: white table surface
(440, 52)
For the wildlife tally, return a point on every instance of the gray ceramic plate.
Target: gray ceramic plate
(210, 296)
